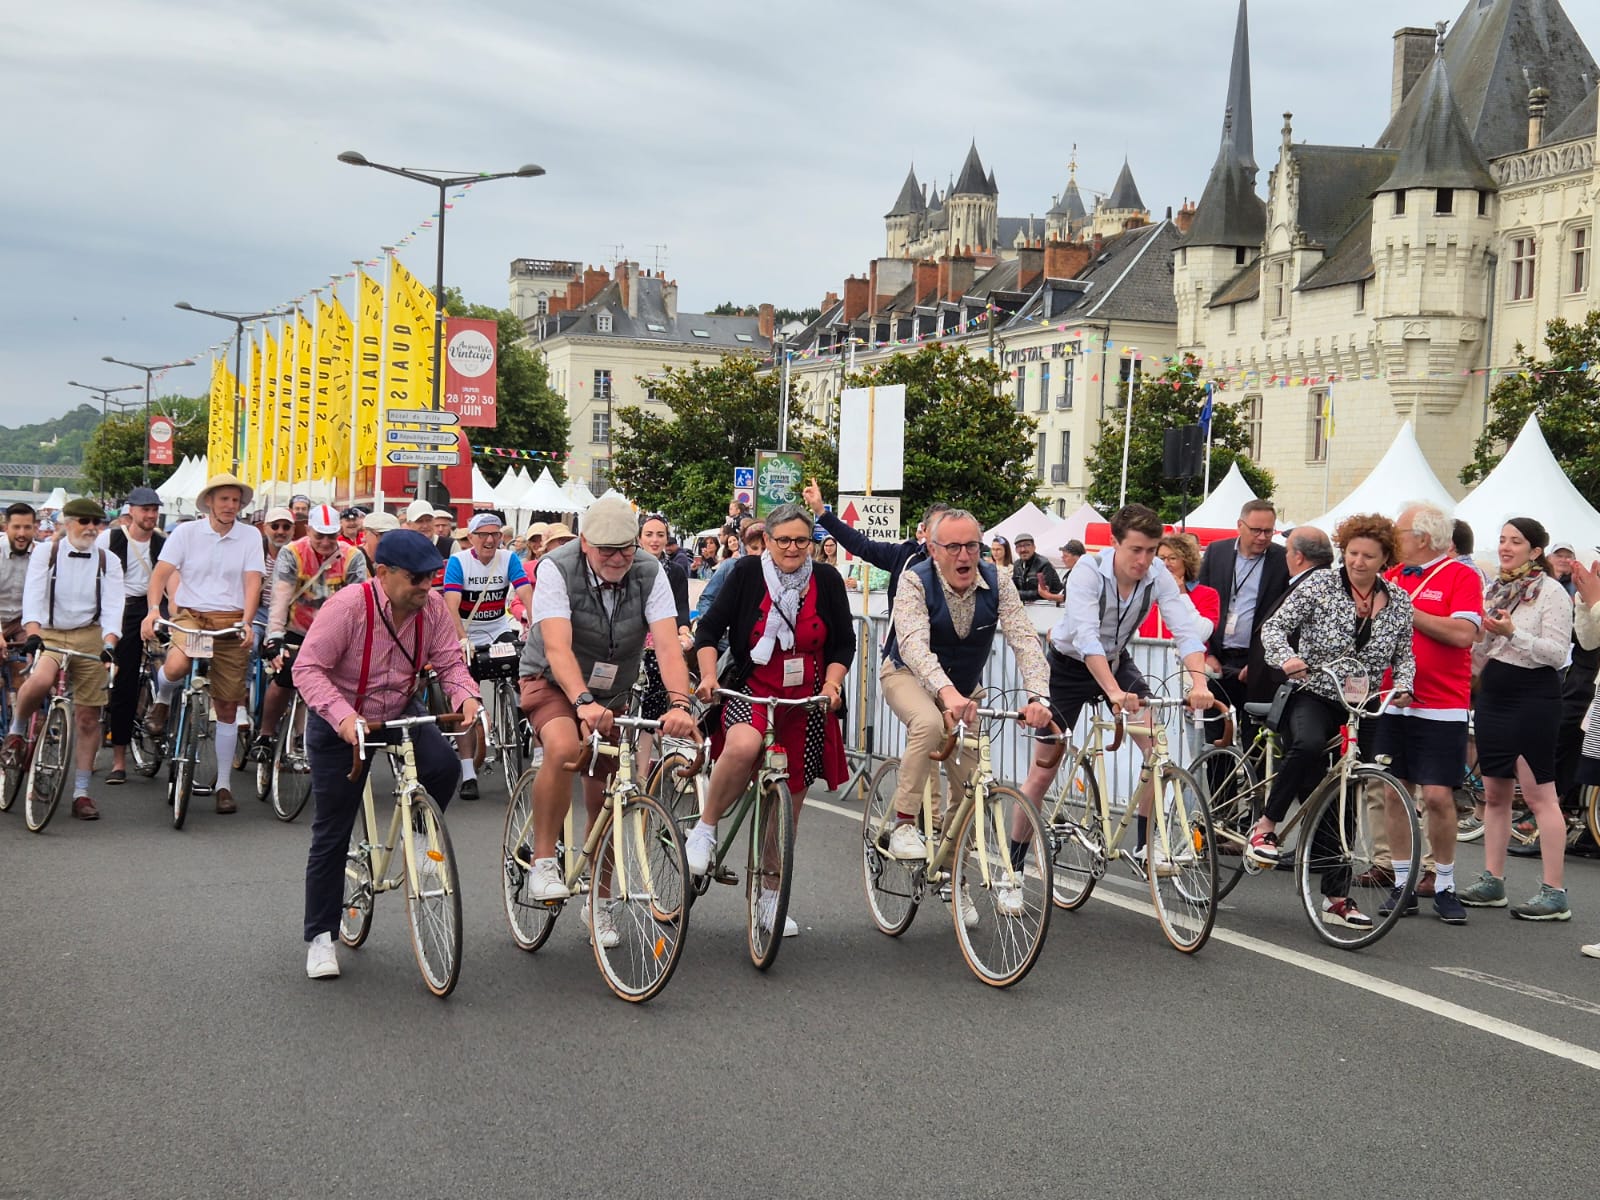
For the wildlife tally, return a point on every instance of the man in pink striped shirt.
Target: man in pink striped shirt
(362, 658)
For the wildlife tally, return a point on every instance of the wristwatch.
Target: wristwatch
(583, 698)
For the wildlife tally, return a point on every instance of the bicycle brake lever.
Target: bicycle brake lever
(361, 739)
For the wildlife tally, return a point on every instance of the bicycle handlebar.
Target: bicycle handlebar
(816, 701)
(593, 745)
(358, 752)
(957, 729)
(67, 651)
(227, 631)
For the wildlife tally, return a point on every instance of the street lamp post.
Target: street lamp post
(442, 183)
(105, 410)
(149, 370)
(239, 320)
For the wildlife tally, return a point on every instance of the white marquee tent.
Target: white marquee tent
(545, 495)
(1402, 475)
(1529, 482)
(579, 494)
(1220, 510)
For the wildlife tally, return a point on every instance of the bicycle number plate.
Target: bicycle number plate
(503, 650)
(198, 645)
(1356, 688)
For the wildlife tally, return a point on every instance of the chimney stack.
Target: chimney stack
(1413, 52)
(1030, 267)
(669, 298)
(1184, 217)
(594, 278)
(766, 321)
(1538, 105)
(959, 276)
(1065, 260)
(927, 279)
(856, 289)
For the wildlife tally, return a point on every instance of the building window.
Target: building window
(1483, 204)
(600, 476)
(1361, 295)
(1317, 426)
(541, 306)
(1238, 256)
(1066, 456)
(1044, 387)
(600, 428)
(1042, 452)
(602, 384)
(1444, 202)
(1580, 260)
(1124, 380)
(1068, 375)
(1233, 318)
(1399, 204)
(602, 322)
(1022, 387)
(1523, 250)
(1252, 426)
(1280, 290)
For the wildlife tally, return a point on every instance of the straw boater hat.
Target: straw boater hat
(556, 533)
(221, 480)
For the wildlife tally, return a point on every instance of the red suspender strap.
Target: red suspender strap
(366, 649)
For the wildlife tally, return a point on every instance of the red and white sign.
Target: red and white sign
(470, 354)
(159, 444)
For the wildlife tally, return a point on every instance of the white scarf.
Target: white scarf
(787, 592)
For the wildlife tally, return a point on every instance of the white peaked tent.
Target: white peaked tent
(1220, 510)
(1074, 525)
(1529, 482)
(579, 494)
(544, 495)
(1027, 519)
(482, 489)
(57, 497)
(1402, 475)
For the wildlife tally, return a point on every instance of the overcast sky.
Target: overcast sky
(163, 150)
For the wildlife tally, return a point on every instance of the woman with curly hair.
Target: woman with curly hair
(1348, 612)
(1527, 632)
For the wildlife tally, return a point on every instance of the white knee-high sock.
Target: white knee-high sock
(227, 740)
(166, 688)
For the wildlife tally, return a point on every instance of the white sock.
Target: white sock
(166, 688)
(80, 783)
(1402, 872)
(17, 727)
(469, 770)
(227, 741)
(1445, 877)
(704, 830)
(539, 863)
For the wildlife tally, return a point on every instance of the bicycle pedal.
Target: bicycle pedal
(724, 875)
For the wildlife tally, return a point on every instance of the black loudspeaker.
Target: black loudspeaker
(1181, 452)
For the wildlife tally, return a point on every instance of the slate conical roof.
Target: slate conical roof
(1230, 212)
(1070, 204)
(1125, 193)
(1436, 151)
(909, 202)
(972, 180)
(1581, 124)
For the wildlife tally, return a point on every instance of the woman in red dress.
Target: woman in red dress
(790, 634)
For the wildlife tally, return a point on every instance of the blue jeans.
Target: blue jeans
(338, 801)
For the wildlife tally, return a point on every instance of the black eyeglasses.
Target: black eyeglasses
(789, 543)
(614, 551)
(280, 526)
(1258, 531)
(960, 547)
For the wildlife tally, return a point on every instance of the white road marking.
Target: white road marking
(1583, 1056)
(1522, 989)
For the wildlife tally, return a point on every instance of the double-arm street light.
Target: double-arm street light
(150, 370)
(106, 402)
(239, 321)
(442, 183)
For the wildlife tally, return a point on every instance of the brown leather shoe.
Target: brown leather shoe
(1379, 876)
(1427, 883)
(155, 719)
(15, 751)
(225, 802)
(83, 808)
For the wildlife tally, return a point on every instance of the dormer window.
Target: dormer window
(1444, 202)
(602, 321)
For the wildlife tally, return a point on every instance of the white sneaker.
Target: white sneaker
(906, 842)
(700, 847)
(603, 928)
(322, 958)
(1590, 951)
(545, 882)
(968, 910)
(1008, 899)
(767, 908)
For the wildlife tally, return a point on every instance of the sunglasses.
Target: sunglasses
(280, 526)
(90, 520)
(418, 578)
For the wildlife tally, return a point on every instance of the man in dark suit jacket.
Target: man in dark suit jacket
(1306, 549)
(1250, 575)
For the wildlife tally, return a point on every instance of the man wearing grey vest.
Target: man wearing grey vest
(594, 600)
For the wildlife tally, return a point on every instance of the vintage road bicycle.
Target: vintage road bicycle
(41, 774)
(191, 741)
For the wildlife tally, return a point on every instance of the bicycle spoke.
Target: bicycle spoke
(648, 918)
(1007, 882)
(1181, 860)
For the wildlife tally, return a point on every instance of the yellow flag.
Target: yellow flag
(369, 331)
(331, 436)
(305, 342)
(250, 455)
(411, 312)
(219, 432)
(285, 369)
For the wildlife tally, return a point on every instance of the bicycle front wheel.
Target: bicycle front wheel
(185, 751)
(1231, 792)
(770, 872)
(14, 779)
(1072, 819)
(508, 738)
(1182, 860)
(1337, 849)
(291, 768)
(893, 887)
(1589, 801)
(639, 922)
(51, 758)
(147, 750)
(433, 896)
(1006, 882)
(531, 920)
(355, 917)
(672, 791)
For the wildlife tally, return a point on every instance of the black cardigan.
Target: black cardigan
(737, 608)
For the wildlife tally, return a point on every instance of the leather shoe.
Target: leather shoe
(83, 808)
(1427, 883)
(1378, 876)
(225, 802)
(155, 719)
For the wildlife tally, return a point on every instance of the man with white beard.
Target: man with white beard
(73, 599)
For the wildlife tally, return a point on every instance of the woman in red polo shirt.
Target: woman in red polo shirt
(1181, 553)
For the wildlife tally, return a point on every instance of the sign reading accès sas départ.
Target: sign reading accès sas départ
(160, 441)
(778, 479)
(470, 352)
(876, 516)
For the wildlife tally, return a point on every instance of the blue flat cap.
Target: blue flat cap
(144, 495)
(409, 551)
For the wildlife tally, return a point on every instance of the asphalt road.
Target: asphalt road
(161, 1040)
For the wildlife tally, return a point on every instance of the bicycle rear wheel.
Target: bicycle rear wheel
(1072, 820)
(1232, 793)
(291, 767)
(1007, 882)
(645, 901)
(1337, 849)
(1589, 803)
(433, 896)
(148, 750)
(531, 920)
(769, 873)
(52, 756)
(355, 916)
(677, 795)
(894, 888)
(1182, 860)
(205, 749)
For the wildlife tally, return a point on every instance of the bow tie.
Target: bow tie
(607, 586)
(1407, 572)
(78, 554)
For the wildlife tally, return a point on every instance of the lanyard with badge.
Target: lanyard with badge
(1238, 586)
(794, 665)
(603, 675)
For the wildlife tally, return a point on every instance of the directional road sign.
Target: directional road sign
(405, 458)
(875, 516)
(420, 416)
(422, 437)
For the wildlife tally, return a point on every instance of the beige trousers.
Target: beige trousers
(924, 722)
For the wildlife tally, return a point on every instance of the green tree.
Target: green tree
(1165, 401)
(965, 442)
(1563, 391)
(721, 414)
(113, 459)
(529, 415)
